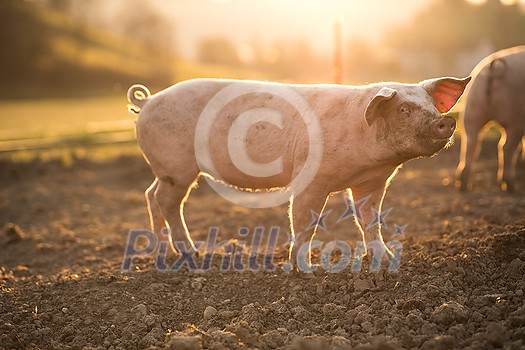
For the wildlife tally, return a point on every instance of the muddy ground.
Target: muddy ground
(460, 283)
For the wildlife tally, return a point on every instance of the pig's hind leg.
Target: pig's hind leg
(157, 221)
(508, 156)
(171, 196)
(474, 120)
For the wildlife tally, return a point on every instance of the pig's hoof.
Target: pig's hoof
(461, 186)
(164, 247)
(507, 186)
(310, 271)
(302, 271)
(287, 267)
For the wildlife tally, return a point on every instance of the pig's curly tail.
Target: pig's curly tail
(497, 69)
(137, 97)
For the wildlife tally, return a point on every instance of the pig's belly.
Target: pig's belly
(260, 157)
(247, 182)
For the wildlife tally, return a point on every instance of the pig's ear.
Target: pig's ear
(373, 108)
(445, 91)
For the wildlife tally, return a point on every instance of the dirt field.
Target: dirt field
(460, 284)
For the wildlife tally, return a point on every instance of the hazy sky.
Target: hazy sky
(268, 21)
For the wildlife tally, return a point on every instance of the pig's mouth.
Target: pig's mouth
(429, 145)
(437, 144)
(425, 146)
(443, 140)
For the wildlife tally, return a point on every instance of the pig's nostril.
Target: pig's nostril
(445, 127)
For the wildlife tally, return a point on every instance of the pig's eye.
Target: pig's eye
(404, 109)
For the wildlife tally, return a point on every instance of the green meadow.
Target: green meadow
(97, 126)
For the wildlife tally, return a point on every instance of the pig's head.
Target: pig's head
(409, 118)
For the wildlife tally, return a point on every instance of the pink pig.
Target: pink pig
(364, 134)
(496, 93)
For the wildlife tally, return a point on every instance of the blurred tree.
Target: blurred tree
(47, 54)
(449, 28)
(84, 13)
(289, 59)
(365, 63)
(217, 50)
(361, 60)
(25, 41)
(62, 6)
(299, 57)
(142, 23)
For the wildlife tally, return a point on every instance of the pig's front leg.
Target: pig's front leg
(303, 229)
(368, 218)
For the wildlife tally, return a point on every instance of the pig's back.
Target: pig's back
(499, 85)
(171, 120)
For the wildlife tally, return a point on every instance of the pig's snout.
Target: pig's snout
(444, 127)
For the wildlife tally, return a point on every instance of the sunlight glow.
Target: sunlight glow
(503, 2)
(246, 53)
(477, 2)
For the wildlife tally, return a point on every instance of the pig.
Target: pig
(365, 132)
(496, 93)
